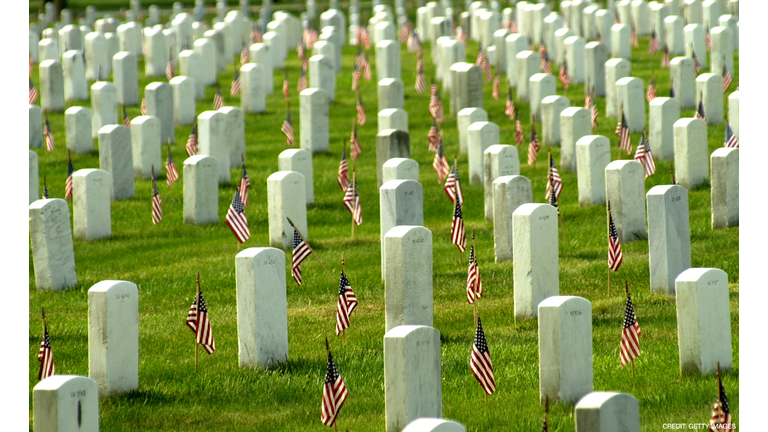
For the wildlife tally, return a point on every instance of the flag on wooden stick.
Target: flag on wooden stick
(700, 110)
(721, 420)
(354, 144)
(480, 361)
(45, 355)
(519, 135)
(346, 304)
(553, 180)
(650, 94)
(300, 252)
(509, 109)
(727, 78)
(245, 183)
(421, 79)
(630, 341)
(645, 156)
(352, 202)
(533, 146)
(218, 100)
(286, 95)
(546, 67)
(33, 94)
(433, 136)
(457, 228)
(126, 120)
(200, 323)
(654, 44)
(730, 138)
(157, 203)
(303, 83)
(440, 164)
(453, 185)
(496, 85)
(68, 186)
(287, 129)
(360, 110)
(474, 283)
(615, 256)
(343, 176)
(236, 219)
(235, 89)
(192, 141)
(565, 78)
(171, 173)
(48, 136)
(334, 393)
(622, 130)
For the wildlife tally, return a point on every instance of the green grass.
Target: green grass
(163, 260)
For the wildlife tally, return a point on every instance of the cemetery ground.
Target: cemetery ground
(163, 260)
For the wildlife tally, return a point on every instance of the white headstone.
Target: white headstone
(631, 98)
(551, 108)
(201, 192)
(398, 169)
(625, 191)
(156, 52)
(559, 54)
(466, 86)
(52, 251)
(78, 129)
(535, 250)
(34, 177)
(393, 118)
(691, 154)
(191, 65)
(593, 154)
(92, 202)
(709, 90)
(695, 43)
(615, 69)
(575, 56)
(115, 157)
(48, 49)
(51, 86)
(725, 187)
(528, 64)
(159, 96)
(607, 411)
(129, 37)
(126, 78)
(36, 126)
(388, 60)
(408, 286)
(434, 425)
(498, 160)
(669, 236)
(314, 120)
(575, 123)
(391, 143)
(286, 199)
(465, 118)
(212, 137)
(515, 43)
(509, 193)
(103, 106)
(235, 135)
(66, 403)
(207, 50)
(391, 93)
(682, 74)
(400, 203)
(540, 86)
(183, 88)
(322, 75)
(146, 146)
(480, 136)
(95, 56)
(664, 112)
(673, 28)
(733, 112)
(299, 160)
(620, 41)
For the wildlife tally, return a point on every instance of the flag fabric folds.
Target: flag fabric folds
(622, 130)
(343, 176)
(68, 186)
(245, 183)
(509, 109)
(354, 142)
(630, 342)
(730, 138)
(651, 93)
(334, 394)
(421, 79)
(645, 157)
(126, 120)
(721, 413)
(727, 78)
(440, 164)
(519, 135)
(235, 89)
(157, 203)
(457, 228)
(48, 136)
(199, 322)
(480, 361)
(300, 252)
(346, 304)
(615, 256)
(496, 85)
(287, 129)
(218, 100)
(352, 202)
(533, 146)
(453, 185)
(192, 141)
(654, 44)
(700, 110)
(45, 356)
(171, 173)
(565, 78)
(33, 94)
(303, 83)
(360, 110)
(553, 180)
(236, 219)
(433, 136)
(474, 283)
(286, 95)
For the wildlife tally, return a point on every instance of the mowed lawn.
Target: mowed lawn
(164, 259)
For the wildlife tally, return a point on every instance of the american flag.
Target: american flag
(310, 37)
(630, 341)
(700, 111)
(360, 58)
(696, 64)
(300, 252)
(236, 219)
(157, 203)
(48, 136)
(218, 100)
(461, 35)
(45, 356)
(404, 32)
(512, 26)
(651, 93)
(645, 157)
(347, 303)
(192, 141)
(654, 44)
(362, 37)
(245, 183)
(553, 180)
(355, 78)
(622, 130)
(452, 185)
(533, 146)
(354, 144)
(553, 201)
(360, 110)
(413, 43)
(351, 200)
(143, 107)
(245, 56)
(721, 412)
(480, 361)
(68, 182)
(440, 164)
(235, 89)
(33, 94)
(633, 38)
(615, 257)
(474, 284)
(457, 228)
(436, 104)
(421, 79)
(367, 69)
(727, 78)
(126, 120)
(509, 109)
(256, 36)
(301, 51)
(545, 66)
(169, 68)
(730, 137)
(287, 129)
(708, 39)
(593, 110)
(496, 85)
(198, 321)
(519, 135)
(172, 174)
(303, 84)
(334, 394)
(285, 87)
(343, 176)
(665, 58)
(433, 136)
(565, 79)
(482, 61)
(31, 64)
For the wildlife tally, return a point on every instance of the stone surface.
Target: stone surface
(631, 99)
(466, 86)
(528, 64)
(201, 192)
(51, 86)
(691, 154)
(103, 106)
(535, 250)
(299, 160)
(551, 108)
(596, 56)
(607, 411)
(262, 307)
(515, 43)
(235, 135)
(125, 69)
(669, 236)
(509, 193)
(52, 249)
(673, 29)
(36, 126)
(78, 129)
(400, 203)
(207, 50)
(113, 336)
(191, 65)
(156, 52)
(664, 112)
(92, 202)
(725, 187)
(212, 138)
(625, 191)
(159, 96)
(34, 177)
(615, 69)
(286, 198)
(116, 157)
(398, 169)
(559, 54)
(393, 118)
(259, 54)
(620, 41)
(408, 286)
(183, 88)
(314, 120)
(391, 143)
(733, 112)
(73, 68)
(48, 49)
(388, 60)
(540, 86)
(146, 146)
(593, 154)
(465, 118)
(434, 425)
(695, 43)
(480, 136)
(498, 160)
(575, 123)
(322, 75)
(575, 54)
(709, 90)
(390, 92)
(565, 348)
(66, 403)
(412, 379)
(682, 74)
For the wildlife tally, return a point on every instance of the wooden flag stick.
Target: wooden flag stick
(310, 248)
(719, 383)
(197, 304)
(672, 172)
(608, 224)
(474, 303)
(43, 309)
(546, 411)
(354, 186)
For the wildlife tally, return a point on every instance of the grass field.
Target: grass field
(163, 260)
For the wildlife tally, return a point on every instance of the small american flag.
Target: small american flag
(622, 130)
(593, 110)
(351, 200)
(245, 183)
(700, 111)
(126, 120)
(553, 201)
(199, 322)
(633, 38)
(355, 78)
(496, 85)
(45, 356)
(645, 157)
(482, 61)
(354, 144)
(509, 109)
(172, 174)
(310, 37)
(157, 203)
(553, 180)
(33, 94)
(143, 108)
(421, 79)
(235, 89)
(245, 56)
(360, 58)
(533, 146)
(615, 257)
(360, 110)
(433, 136)
(440, 164)
(347, 303)
(192, 141)
(727, 78)
(730, 137)
(665, 58)
(303, 84)
(256, 36)
(512, 26)
(461, 35)
(218, 100)
(287, 129)
(48, 136)
(363, 38)
(474, 284)
(630, 341)
(480, 361)
(31, 64)
(436, 104)
(457, 228)
(696, 64)
(68, 182)
(402, 35)
(236, 219)
(301, 51)
(413, 43)
(519, 135)
(169, 68)
(367, 69)
(300, 252)
(654, 44)
(546, 67)
(721, 413)
(651, 93)
(343, 176)
(334, 394)
(286, 95)
(565, 79)
(708, 40)
(452, 185)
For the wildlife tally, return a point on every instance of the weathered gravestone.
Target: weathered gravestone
(625, 191)
(201, 192)
(400, 203)
(66, 403)
(620, 41)
(465, 118)
(725, 187)
(322, 75)
(390, 92)
(393, 118)
(51, 86)
(535, 250)
(664, 112)
(559, 54)
(78, 129)
(516, 43)
(565, 348)
(695, 43)
(115, 157)
(575, 56)
(498, 160)
(156, 52)
(551, 108)
(73, 69)
(408, 286)
(709, 92)
(390, 143)
(36, 126)
(113, 336)
(434, 425)
(703, 321)
(145, 146)
(262, 307)
(607, 411)
(92, 202)
(183, 88)
(593, 154)
(412, 379)
(480, 136)
(299, 160)
(34, 177)
(509, 193)
(673, 28)
(596, 56)
(691, 164)
(615, 69)
(314, 120)
(397, 169)
(540, 86)
(286, 198)
(235, 135)
(103, 106)
(466, 86)
(669, 236)
(575, 123)
(528, 64)
(48, 49)
(126, 78)
(631, 100)
(207, 50)
(52, 251)
(159, 97)
(212, 136)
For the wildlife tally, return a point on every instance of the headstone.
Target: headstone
(712, 11)
(252, 95)
(286, 199)
(732, 22)
(499, 38)
(391, 93)
(207, 50)
(615, 69)
(52, 251)
(664, 112)
(95, 56)
(126, 78)
(326, 48)
(466, 86)
(314, 120)
(129, 38)
(66, 403)
(669, 236)
(509, 193)
(593, 154)
(641, 16)
(113, 336)
(113, 47)
(733, 112)
(92, 204)
(596, 56)
(551, 108)
(451, 51)
(575, 123)
(156, 52)
(146, 146)
(393, 118)
(70, 38)
(397, 169)
(388, 60)
(201, 193)
(607, 411)
(277, 48)
(673, 28)
(262, 307)
(400, 203)
(659, 12)
(620, 40)
(159, 97)
(709, 90)
(78, 129)
(183, 88)
(48, 49)
(465, 118)
(480, 136)
(390, 143)
(412, 378)
(725, 187)
(631, 98)
(36, 126)
(515, 43)
(565, 348)
(575, 55)
(217, 37)
(625, 191)
(498, 160)
(51, 86)
(115, 157)
(434, 425)
(299, 160)
(559, 54)
(34, 177)
(103, 106)
(191, 65)
(691, 154)
(589, 23)
(34, 39)
(535, 250)
(528, 64)
(182, 27)
(408, 286)
(235, 135)
(259, 54)
(695, 43)
(682, 74)
(322, 75)
(540, 86)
